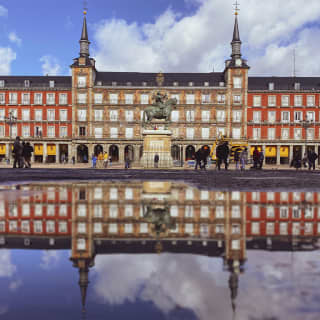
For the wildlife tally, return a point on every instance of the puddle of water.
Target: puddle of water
(157, 248)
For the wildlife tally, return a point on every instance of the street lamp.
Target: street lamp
(10, 120)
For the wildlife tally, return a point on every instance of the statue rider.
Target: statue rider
(160, 100)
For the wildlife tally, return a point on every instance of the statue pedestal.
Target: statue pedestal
(157, 142)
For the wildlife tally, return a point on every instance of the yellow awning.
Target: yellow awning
(2, 149)
(51, 149)
(271, 151)
(38, 149)
(252, 149)
(284, 152)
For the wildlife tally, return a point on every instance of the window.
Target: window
(255, 196)
(310, 101)
(296, 213)
(38, 115)
(37, 226)
(190, 133)
(98, 115)
(144, 99)
(50, 210)
(296, 196)
(190, 99)
(63, 132)
(82, 115)
(50, 115)
(219, 228)
(98, 132)
(283, 228)
(255, 211)
(235, 244)
(271, 86)
(219, 212)
(50, 98)
(63, 115)
(25, 226)
(63, 227)
(177, 97)
(2, 83)
(128, 228)
(221, 116)
(285, 116)
(2, 98)
(38, 131)
(284, 212)
(205, 133)
(174, 211)
(235, 211)
(97, 211)
(298, 101)
(270, 212)
(206, 84)
(221, 98)
(51, 131)
(236, 133)
(188, 211)
(25, 98)
(1, 131)
(204, 195)
(308, 213)
(129, 133)
(98, 98)
(296, 86)
(236, 116)
(63, 98)
(255, 227)
(297, 133)
(310, 116)
(25, 114)
(204, 212)
(129, 115)
(189, 228)
(82, 131)
(113, 115)
(189, 194)
(113, 228)
(82, 98)
(221, 131)
(113, 132)
(236, 99)
(81, 244)
(271, 133)
(256, 133)
(237, 82)
(190, 115)
(270, 228)
(13, 98)
(285, 133)
(175, 116)
(272, 101)
(257, 101)
(271, 116)
(128, 98)
(38, 98)
(310, 133)
(284, 196)
(297, 116)
(205, 98)
(113, 98)
(82, 210)
(38, 209)
(285, 101)
(82, 80)
(2, 114)
(256, 116)
(190, 84)
(26, 131)
(51, 83)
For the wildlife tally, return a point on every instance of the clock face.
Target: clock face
(238, 62)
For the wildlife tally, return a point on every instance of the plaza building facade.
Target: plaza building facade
(93, 111)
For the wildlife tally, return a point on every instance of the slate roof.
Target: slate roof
(284, 83)
(37, 81)
(137, 78)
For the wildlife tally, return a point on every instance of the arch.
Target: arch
(190, 152)
(98, 149)
(114, 153)
(129, 152)
(175, 152)
(82, 153)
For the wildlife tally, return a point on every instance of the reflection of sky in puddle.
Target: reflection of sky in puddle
(272, 284)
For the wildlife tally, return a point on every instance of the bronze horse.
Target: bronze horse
(160, 111)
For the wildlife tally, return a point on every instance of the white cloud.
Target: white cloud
(174, 43)
(7, 268)
(7, 55)
(50, 65)
(13, 37)
(3, 11)
(49, 259)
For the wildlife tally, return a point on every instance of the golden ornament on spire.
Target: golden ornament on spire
(236, 8)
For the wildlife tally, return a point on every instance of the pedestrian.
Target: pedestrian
(237, 158)
(105, 160)
(156, 160)
(296, 161)
(243, 158)
(17, 153)
(94, 161)
(203, 162)
(73, 159)
(261, 158)
(100, 161)
(198, 159)
(27, 153)
(222, 154)
(110, 161)
(305, 160)
(255, 157)
(312, 157)
(126, 161)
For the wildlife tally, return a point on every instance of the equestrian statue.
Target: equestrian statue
(160, 109)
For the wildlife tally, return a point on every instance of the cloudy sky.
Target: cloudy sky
(41, 37)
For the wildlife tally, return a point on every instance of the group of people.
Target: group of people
(102, 160)
(308, 160)
(22, 152)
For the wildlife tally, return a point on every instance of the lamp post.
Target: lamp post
(10, 120)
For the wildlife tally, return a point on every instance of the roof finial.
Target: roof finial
(236, 9)
(85, 7)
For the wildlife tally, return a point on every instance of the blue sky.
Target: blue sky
(39, 37)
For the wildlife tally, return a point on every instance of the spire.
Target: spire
(236, 36)
(84, 42)
(236, 42)
(84, 34)
(83, 283)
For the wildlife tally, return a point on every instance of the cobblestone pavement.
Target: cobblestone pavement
(249, 180)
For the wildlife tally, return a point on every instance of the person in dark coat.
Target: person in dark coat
(27, 153)
(256, 157)
(296, 161)
(198, 159)
(17, 153)
(312, 157)
(261, 158)
(222, 154)
(156, 160)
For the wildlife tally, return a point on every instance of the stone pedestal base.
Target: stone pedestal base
(157, 142)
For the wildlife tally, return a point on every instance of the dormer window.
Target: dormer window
(297, 86)
(129, 83)
(271, 86)
(99, 83)
(206, 84)
(51, 83)
(1, 83)
(26, 83)
(190, 84)
(175, 83)
(221, 84)
(144, 84)
(114, 83)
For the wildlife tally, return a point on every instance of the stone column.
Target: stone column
(57, 152)
(290, 153)
(8, 150)
(303, 150)
(45, 155)
(278, 155)
(121, 153)
(90, 150)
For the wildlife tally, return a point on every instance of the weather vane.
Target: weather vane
(85, 6)
(236, 8)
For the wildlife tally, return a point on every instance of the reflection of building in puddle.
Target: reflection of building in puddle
(149, 217)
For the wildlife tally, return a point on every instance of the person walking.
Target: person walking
(73, 159)
(243, 158)
(17, 153)
(198, 159)
(156, 160)
(296, 161)
(126, 161)
(105, 160)
(222, 154)
(255, 157)
(261, 158)
(27, 153)
(305, 160)
(237, 158)
(100, 161)
(312, 157)
(94, 161)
